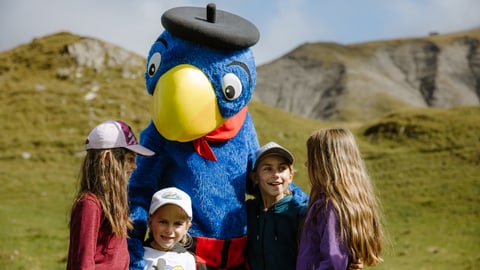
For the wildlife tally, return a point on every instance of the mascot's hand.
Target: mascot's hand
(135, 248)
(298, 194)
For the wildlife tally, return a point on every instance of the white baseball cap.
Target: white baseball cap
(115, 134)
(171, 195)
(273, 149)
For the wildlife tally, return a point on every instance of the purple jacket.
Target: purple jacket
(320, 243)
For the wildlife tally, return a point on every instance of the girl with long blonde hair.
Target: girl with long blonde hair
(100, 218)
(343, 222)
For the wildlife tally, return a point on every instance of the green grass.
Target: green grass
(426, 167)
(430, 195)
(35, 201)
(425, 164)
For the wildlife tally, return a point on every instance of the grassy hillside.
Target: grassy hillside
(428, 186)
(425, 163)
(426, 167)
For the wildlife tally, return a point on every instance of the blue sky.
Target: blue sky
(283, 24)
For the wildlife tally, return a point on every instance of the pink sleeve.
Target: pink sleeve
(84, 228)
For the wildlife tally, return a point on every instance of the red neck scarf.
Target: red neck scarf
(224, 132)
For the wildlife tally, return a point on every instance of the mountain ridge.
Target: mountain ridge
(321, 80)
(330, 81)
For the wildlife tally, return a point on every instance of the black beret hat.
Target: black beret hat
(208, 26)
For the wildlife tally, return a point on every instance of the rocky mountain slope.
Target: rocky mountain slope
(330, 81)
(323, 81)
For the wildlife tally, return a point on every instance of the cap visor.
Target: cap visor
(137, 148)
(275, 152)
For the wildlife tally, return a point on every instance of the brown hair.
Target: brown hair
(103, 174)
(337, 170)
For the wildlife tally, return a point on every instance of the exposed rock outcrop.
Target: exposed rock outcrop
(98, 55)
(88, 52)
(334, 82)
(303, 80)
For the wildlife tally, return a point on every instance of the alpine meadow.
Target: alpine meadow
(424, 160)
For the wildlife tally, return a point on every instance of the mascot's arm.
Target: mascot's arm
(252, 146)
(299, 196)
(142, 184)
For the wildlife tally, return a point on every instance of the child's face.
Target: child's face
(130, 164)
(169, 224)
(273, 174)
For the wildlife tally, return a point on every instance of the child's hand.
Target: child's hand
(356, 265)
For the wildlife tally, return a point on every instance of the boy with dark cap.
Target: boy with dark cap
(274, 215)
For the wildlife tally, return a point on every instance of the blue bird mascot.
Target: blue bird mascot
(201, 74)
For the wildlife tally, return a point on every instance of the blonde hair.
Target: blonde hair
(336, 169)
(103, 174)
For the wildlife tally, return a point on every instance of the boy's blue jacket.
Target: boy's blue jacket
(273, 234)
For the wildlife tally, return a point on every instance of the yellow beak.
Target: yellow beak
(184, 105)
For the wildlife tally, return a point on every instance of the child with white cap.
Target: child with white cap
(170, 217)
(100, 218)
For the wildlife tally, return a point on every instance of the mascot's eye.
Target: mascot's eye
(231, 86)
(154, 63)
